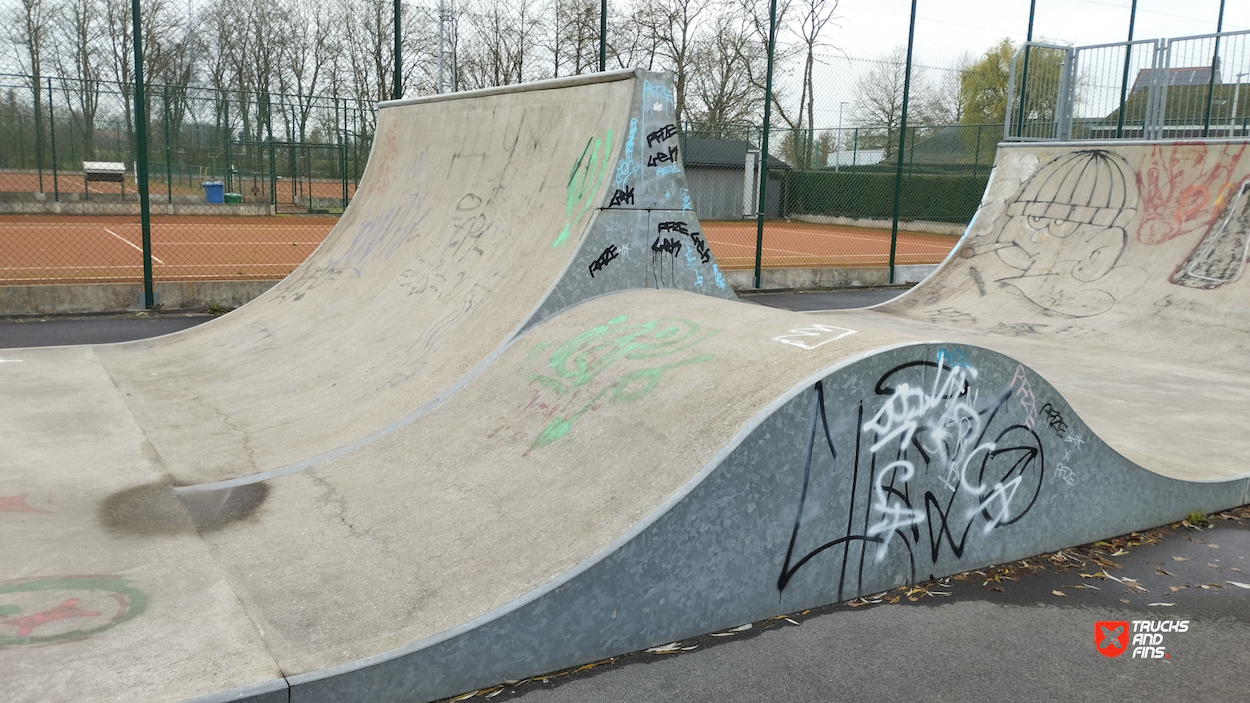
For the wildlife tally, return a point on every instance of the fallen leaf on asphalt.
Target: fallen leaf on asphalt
(1124, 600)
(1204, 587)
(1163, 572)
(792, 622)
(1164, 605)
(666, 648)
(494, 693)
(1213, 566)
(1084, 586)
(742, 628)
(465, 697)
(1120, 553)
(1059, 593)
(1240, 585)
(1179, 559)
(1214, 546)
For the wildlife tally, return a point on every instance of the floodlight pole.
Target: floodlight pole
(902, 140)
(763, 166)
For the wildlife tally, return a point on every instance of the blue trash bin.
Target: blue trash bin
(214, 191)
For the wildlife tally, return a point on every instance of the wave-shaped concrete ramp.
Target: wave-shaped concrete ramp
(632, 469)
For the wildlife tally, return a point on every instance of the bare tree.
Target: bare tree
(630, 43)
(309, 50)
(722, 89)
(674, 27)
(573, 36)
(502, 41)
(812, 17)
(28, 30)
(79, 35)
(879, 97)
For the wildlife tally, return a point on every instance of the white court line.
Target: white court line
(861, 239)
(138, 249)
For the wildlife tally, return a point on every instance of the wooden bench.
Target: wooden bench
(111, 171)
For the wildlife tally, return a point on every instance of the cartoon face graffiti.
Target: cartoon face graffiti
(1064, 232)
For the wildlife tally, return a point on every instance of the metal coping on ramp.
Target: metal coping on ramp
(548, 84)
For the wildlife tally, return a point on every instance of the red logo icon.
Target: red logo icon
(1111, 637)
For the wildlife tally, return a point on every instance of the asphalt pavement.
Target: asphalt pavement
(1026, 631)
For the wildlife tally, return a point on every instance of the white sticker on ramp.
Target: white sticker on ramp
(814, 336)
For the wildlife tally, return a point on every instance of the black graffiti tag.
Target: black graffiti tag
(662, 134)
(604, 259)
(700, 246)
(672, 227)
(623, 197)
(663, 157)
(668, 246)
(1055, 420)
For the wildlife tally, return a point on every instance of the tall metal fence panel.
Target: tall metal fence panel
(241, 185)
(1182, 88)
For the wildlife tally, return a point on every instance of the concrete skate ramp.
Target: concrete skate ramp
(1117, 271)
(479, 214)
(638, 468)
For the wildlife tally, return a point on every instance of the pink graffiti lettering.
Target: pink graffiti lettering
(1024, 393)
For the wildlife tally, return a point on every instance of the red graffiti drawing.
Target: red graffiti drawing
(17, 504)
(68, 609)
(1184, 187)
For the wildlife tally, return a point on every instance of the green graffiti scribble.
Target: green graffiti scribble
(584, 180)
(133, 602)
(582, 359)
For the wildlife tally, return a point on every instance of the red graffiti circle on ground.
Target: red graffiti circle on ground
(52, 609)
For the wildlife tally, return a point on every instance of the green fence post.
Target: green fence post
(56, 186)
(1215, 64)
(854, 171)
(169, 176)
(768, 98)
(229, 168)
(976, 160)
(38, 133)
(902, 141)
(342, 149)
(1128, 55)
(141, 158)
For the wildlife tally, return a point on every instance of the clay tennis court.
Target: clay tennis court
(254, 189)
(46, 249)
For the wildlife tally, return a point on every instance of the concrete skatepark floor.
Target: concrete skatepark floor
(973, 639)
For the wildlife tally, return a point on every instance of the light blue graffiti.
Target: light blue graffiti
(685, 199)
(654, 95)
(626, 169)
(720, 280)
(694, 264)
(952, 357)
(665, 170)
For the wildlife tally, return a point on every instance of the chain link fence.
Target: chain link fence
(241, 186)
(847, 184)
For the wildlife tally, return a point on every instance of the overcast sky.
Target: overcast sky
(947, 28)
